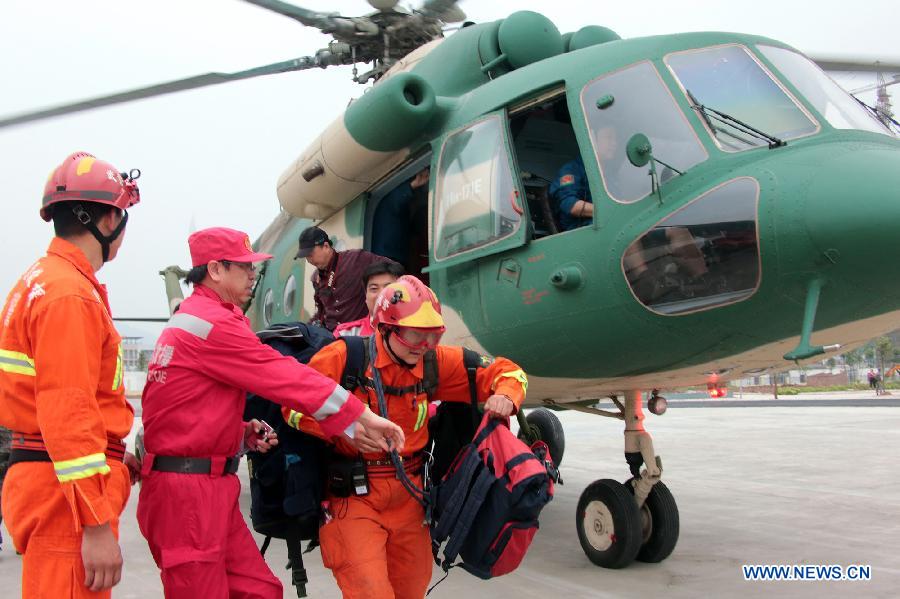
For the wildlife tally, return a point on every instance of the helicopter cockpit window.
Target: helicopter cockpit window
(475, 197)
(702, 256)
(837, 106)
(729, 79)
(640, 103)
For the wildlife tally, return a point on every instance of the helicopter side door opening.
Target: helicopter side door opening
(397, 217)
(543, 140)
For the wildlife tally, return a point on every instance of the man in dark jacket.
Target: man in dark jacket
(339, 292)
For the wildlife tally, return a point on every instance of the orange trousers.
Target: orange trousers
(376, 545)
(42, 526)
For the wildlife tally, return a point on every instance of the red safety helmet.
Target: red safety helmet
(82, 177)
(408, 302)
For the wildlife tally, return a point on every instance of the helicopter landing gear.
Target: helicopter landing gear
(638, 520)
(609, 524)
(659, 523)
(542, 424)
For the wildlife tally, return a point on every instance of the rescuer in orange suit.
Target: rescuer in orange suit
(378, 545)
(62, 391)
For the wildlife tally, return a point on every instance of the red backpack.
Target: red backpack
(486, 507)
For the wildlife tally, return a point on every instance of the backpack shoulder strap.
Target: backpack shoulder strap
(354, 374)
(472, 361)
(430, 373)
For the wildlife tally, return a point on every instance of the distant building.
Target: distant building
(137, 347)
(131, 348)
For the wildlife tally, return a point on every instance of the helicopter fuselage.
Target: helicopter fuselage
(698, 269)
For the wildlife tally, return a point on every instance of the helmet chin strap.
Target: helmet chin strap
(105, 240)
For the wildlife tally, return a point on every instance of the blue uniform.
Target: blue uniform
(569, 186)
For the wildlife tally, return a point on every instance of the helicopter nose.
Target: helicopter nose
(852, 215)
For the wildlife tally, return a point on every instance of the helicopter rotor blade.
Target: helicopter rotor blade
(142, 319)
(832, 63)
(867, 88)
(445, 10)
(311, 18)
(330, 23)
(321, 60)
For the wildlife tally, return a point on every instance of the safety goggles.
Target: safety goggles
(419, 338)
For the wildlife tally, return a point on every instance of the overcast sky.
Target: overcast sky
(211, 157)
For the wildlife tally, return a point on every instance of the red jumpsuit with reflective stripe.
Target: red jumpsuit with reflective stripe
(61, 378)
(205, 361)
(377, 546)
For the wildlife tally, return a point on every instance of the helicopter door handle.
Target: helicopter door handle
(509, 271)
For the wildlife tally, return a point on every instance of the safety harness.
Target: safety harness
(427, 385)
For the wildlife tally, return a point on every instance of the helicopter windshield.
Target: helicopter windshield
(729, 79)
(837, 106)
(635, 100)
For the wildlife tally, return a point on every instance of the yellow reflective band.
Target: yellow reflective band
(423, 415)
(518, 375)
(83, 467)
(120, 366)
(293, 419)
(16, 362)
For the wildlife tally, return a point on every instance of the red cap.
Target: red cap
(220, 243)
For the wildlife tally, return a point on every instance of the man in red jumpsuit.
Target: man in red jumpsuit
(376, 544)
(205, 361)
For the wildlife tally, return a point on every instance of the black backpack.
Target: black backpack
(287, 484)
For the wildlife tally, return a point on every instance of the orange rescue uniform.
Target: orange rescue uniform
(61, 379)
(377, 545)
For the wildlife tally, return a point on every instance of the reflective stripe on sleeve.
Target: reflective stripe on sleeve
(333, 404)
(293, 419)
(518, 375)
(120, 368)
(192, 324)
(16, 362)
(82, 467)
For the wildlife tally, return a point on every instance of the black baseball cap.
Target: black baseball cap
(310, 238)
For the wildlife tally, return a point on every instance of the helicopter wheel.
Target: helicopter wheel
(659, 523)
(609, 524)
(545, 426)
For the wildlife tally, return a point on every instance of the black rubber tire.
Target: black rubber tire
(662, 512)
(626, 524)
(550, 431)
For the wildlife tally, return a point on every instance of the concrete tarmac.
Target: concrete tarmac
(758, 485)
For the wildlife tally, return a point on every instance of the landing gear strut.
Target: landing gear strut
(638, 520)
